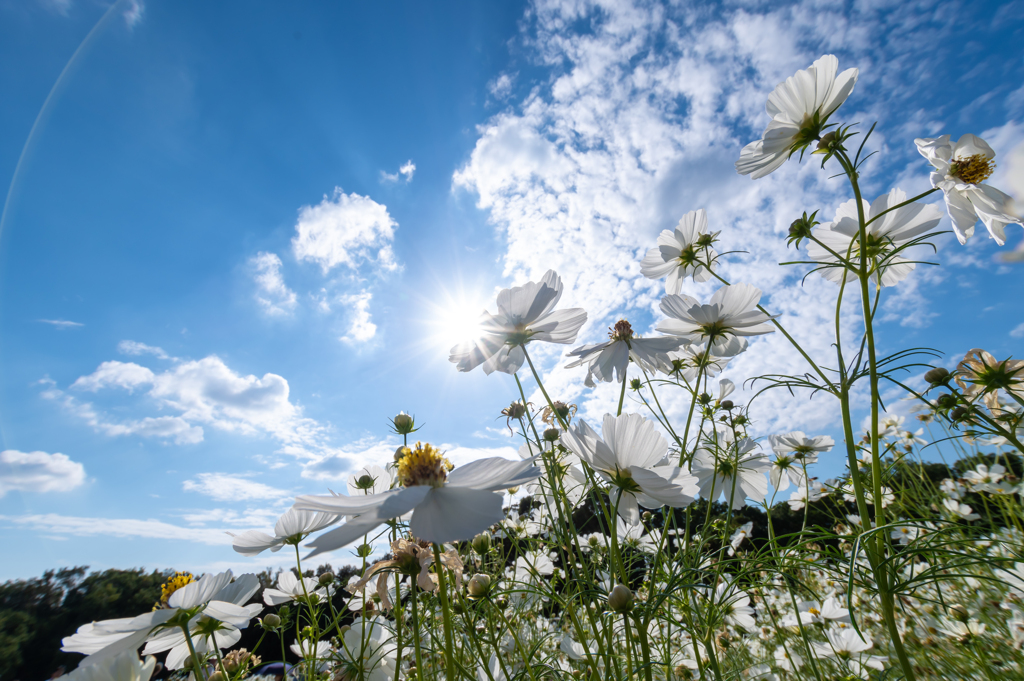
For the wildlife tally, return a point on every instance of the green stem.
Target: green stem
(442, 583)
(622, 393)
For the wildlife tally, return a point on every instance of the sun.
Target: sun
(457, 318)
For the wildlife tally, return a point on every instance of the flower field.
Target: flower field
(647, 547)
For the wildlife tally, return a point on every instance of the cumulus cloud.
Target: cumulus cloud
(38, 472)
(127, 375)
(346, 229)
(202, 392)
(128, 347)
(641, 120)
(228, 487)
(360, 329)
(404, 172)
(124, 528)
(272, 293)
(61, 324)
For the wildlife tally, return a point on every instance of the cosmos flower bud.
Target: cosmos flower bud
(552, 434)
(704, 398)
(958, 413)
(647, 515)
(801, 228)
(636, 384)
(936, 375)
(482, 543)
(217, 676)
(326, 578)
(620, 599)
(959, 612)
(946, 401)
(403, 423)
(271, 621)
(479, 585)
(727, 405)
(739, 420)
(365, 482)
(364, 550)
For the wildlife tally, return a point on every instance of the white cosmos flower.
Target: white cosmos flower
(805, 448)
(211, 604)
(124, 666)
(894, 230)
(525, 313)
(811, 492)
(722, 323)
(630, 457)
(291, 528)
(682, 253)
(799, 109)
(734, 472)
(445, 506)
(608, 360)
(290, 588)
(960, 169)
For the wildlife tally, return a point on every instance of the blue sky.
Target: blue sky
(241, 236)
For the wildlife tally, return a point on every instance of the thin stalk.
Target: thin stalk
(442, 584)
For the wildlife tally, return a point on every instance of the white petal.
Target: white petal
(455, 513)
(494, 474)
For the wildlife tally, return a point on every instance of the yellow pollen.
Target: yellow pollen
(175, 582)
(423, 465)
(972, 169)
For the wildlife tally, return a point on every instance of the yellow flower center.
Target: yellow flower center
(175, 582)
(972, 169)
(423, 465)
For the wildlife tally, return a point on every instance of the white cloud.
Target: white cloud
(1018, 331)
(127, 375)
(501, 87)
(125, 528)
(227, 487)
(585, 171)
(203, 392)
(134, 348)
(405, 171)
(133, 13)
(273, 294)
(347, 230)
(360, 329)
(60, 323)
(164, 427)
(38, 472)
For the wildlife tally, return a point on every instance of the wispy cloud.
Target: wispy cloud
(405, 172)
(38, 472)
(128, 347)
(273, 295)
(125, 528)
(360, 329)
(61, 324)
(228, 487)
